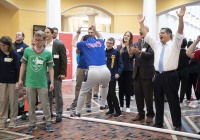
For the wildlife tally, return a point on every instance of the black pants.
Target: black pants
(192, 82)
(167, 83)
(183, 79)
(112, 100)
(144, 93)
(125, 81)
(132, 92)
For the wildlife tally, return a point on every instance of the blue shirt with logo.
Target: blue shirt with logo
(93, 50)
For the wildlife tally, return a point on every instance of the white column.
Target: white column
(149, 11)
(107, 28)
(91, 19)
(53, 13)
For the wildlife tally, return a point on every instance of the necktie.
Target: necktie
(160, 64)
(142, 43)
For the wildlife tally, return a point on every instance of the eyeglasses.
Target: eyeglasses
(38, 40)
(109, 43)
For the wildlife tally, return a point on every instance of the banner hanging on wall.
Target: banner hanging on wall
(66, 38)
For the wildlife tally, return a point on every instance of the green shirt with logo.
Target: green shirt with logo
(36, 69)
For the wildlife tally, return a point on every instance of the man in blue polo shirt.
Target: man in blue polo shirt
(94, 52)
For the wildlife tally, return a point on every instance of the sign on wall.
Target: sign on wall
(66, 38)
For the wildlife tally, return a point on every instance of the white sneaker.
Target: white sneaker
(181, 105)
(128, 110)
(194, 104)
(123, 109)
(133, 98)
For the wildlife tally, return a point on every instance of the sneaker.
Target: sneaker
(75, 115)
(30, 129)
(103, 107)
(12, 124)
(128, 110)
(117, 115)
(49, 128)
(88, 108)
(133, 98)
(72, 107)
(95, 96)
(123, 109)
(2, 126)
(109, 112)
(24, 116)
(181, 105)
(194, 104)
(59, 118)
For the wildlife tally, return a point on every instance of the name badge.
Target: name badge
(19, 50)
(39, 62)
(8, 59)
(55, 56)
(144, 49)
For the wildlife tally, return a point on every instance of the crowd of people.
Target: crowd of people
(148, 68)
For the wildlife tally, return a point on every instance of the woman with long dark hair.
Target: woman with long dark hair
(125, 80)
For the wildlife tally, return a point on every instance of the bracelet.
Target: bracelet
(78, 32)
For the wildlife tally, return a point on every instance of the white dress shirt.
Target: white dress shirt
(49, 46)
(171, 54)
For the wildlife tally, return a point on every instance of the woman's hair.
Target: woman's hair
(7, 41)
(129, 43)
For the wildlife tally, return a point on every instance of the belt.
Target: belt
(165, 72)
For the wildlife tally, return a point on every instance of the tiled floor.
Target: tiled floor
(97, 126)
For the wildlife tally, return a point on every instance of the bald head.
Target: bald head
(145, 28)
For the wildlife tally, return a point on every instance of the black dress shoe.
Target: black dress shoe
(158, 125)
(177, 129)
(59, 118)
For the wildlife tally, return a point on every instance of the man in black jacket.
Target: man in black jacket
(143, 73)
(60, 60)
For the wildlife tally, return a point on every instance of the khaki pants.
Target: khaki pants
(79, 79)
(43, 95)
(9, 96)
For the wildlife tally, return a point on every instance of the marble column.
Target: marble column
(149, 11)
(53, 13)
(91, 19)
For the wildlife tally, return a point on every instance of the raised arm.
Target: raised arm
(75, 39)
(190, 50)
(96, 32)
(181, 14)
(143, 29)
